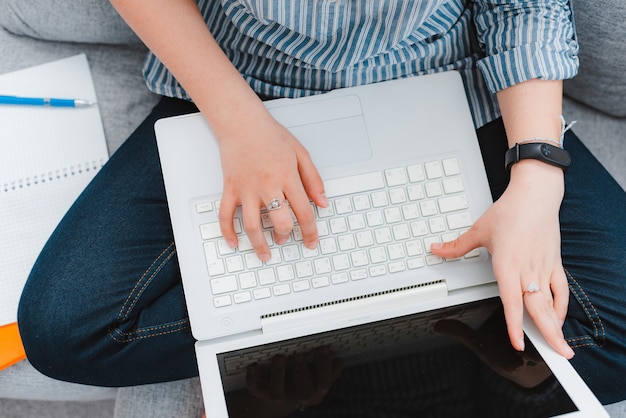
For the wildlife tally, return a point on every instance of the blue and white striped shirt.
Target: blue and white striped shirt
(293, 48)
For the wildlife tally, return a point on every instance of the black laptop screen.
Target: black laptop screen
(451, 362)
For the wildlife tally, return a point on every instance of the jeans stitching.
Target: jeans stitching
(153, 271)
(586, 304)
(148, 332)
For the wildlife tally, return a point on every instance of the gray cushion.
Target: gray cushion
(601, 82)
(87, 21)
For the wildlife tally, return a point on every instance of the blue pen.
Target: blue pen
(36, 101)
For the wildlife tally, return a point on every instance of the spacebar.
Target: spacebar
(354, 184)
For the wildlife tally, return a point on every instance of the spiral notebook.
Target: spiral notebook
(48, 157)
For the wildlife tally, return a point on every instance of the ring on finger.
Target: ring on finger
(276, 204)
(533, 287)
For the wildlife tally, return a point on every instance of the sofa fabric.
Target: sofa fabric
(92, 21)
(600, 82)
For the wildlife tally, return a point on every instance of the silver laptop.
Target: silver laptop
(402, 169)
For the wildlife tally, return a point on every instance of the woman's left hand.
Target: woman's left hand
(521, 231)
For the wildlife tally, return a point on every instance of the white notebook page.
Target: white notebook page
(48, 155)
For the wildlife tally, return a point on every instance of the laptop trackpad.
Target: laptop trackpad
(332, 130)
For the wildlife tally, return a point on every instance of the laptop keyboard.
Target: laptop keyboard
(378, 223)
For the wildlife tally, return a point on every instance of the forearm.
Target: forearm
(177, 34)
(532, 111)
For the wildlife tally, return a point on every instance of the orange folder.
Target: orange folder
(11, 349)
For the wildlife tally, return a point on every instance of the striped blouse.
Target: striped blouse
(293, 48)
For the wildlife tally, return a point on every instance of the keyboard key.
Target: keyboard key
(222, 301)
(328, 246)
(291, 252)
(433, 170)
(266, 276)
(285, 273)
(346, 242)
(452, 203)
(410, 211)
(378, 255)
(459, 220)
(223, 285)
(262, 293)
(358, 274)
(215, 265)
(361, 202)
(396, 176)
(451, 167)
(354, 184)
(204, 207)
(453, 185)
(242, 297)
(416, 192)
(380, 199)
(301, 286)
(338, 225)
(339, 278)
(359, 258)
(322, 281)
(383, 235)
(210, 230)
(416, 173)
(433, 189)
(397, 267)
(304, 269)
(376, 271)
(247, 280)
(356, 221)
(281, 289)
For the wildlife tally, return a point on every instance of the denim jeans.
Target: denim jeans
(104, 303)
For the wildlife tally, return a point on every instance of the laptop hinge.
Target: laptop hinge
(354, 310)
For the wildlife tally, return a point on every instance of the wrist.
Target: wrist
(537, 150)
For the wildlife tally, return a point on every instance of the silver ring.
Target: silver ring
(276, 204)
(533, 287)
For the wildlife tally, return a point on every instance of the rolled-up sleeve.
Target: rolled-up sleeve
(525, 40)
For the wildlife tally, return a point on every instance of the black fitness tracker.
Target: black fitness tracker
(538, 151)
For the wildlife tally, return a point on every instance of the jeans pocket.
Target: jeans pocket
(583, 325)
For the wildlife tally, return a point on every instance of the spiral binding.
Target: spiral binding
(52, 176)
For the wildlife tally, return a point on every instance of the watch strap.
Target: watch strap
(541, 151)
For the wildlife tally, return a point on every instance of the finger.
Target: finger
(304, 214)
(281, 218)
(311, 179)
(539, 307)
(228, 206)
(511, 296)
(560, 293)
(458, 247)
(254, 230)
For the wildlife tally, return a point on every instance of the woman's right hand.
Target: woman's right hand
(262, 161)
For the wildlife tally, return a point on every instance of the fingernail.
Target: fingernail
(281, 241)
(323, 200)
(568, 350)
(231, 244)
(311, 245)
(520, 344)
(436, 246)
(265, 256)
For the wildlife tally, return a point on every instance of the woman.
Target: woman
(114, 257)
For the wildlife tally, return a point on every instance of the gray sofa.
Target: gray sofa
(34, 32)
